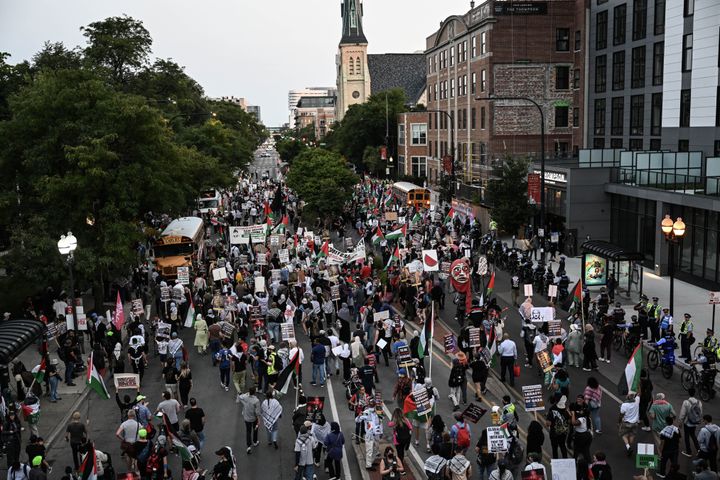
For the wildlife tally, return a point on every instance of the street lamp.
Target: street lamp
(452, 147)
(66, 246)
(542, 154)
(674, 232)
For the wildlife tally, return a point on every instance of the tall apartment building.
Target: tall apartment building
(654, 82)
(503, 49)
(295, 95)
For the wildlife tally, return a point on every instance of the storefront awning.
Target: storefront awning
(16, 336)
(610, 251)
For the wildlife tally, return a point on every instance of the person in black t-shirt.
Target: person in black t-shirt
(196, 415)
(367, 375)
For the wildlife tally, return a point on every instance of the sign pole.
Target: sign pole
(713, 318)
(432, 327)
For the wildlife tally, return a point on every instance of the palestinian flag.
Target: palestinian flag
(450, 215)
(268, 226)
(417, 218)
(490, 286)
(285, 377)
(190, 317)
(426, 337)
(39, 370)
(630, 380)
(88, 468)
(182, 449)
(378, 236)
(31, 412)
(396, 234)
(95, 380)
(267, 211)
(324, 250)
(388, 199)
(282, 226)
(395, 257)
(574, 301)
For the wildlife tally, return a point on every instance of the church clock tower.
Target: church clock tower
(353, 78)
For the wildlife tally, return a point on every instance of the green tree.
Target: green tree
(323, 180)
(288, 148)
(367, 124)
(372, 161)
(507, 193)
(120, 45)
(217, 140)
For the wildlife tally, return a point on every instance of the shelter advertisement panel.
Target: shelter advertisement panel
(594, 270)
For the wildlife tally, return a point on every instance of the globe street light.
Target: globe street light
(66, 246)
(673, 232)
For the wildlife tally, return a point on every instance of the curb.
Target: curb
(63, 421)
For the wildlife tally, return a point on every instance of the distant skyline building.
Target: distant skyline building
(254, 110)
(295, 95)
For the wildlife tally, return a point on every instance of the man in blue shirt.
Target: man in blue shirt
(317, 357)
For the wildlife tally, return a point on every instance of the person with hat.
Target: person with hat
(225, 468)
(687, 337)
(654, 312)
(37, 472)
(666, 322)
(628, 421)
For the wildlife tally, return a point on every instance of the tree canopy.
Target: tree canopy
(508, 194)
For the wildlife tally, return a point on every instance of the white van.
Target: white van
(210, 202)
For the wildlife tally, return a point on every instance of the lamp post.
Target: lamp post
(452, 146)
(66, 246)
(674, 232)
(542, 154)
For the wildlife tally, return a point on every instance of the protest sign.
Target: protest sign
(449, 341)
(554, 329)
(544, 361)
(474, 334)
(183, 275)
(164, 294)
(259, 284)
(533, 398)
(528, 289)
(219, 274)
(335, 293)
(404, 359)
(563, 468)
(261, 259)
(287, 331)
(474, 412)
(126, 380)
(497, 442)
(381, 315)
(137, 306)
(542, 314)
(284, 256)
(422, 402)
(275, 275)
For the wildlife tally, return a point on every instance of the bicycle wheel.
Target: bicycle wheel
(697, 351)
(705, 393)
(617, 342)
(667, 370)
(687, 378)
(653, 359)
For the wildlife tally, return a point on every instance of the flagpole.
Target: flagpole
(432, 325)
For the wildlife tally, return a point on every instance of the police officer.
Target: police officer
(515, 289)
(603, 303)
(710, 344)
(666, 320)
(687, 337)
(618, 314)
(654, 311)
(642, 317)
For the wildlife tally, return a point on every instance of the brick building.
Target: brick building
(529, 49)
(316, 111)
(412, 145)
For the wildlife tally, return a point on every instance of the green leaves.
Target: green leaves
(508, 195)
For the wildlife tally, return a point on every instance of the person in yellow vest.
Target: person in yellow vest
(687, 337)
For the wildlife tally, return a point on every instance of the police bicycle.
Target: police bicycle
(662, 357)
(702, 380)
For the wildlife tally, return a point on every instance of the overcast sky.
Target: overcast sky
(257, 49)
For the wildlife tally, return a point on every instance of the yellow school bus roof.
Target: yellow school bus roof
(188, 227)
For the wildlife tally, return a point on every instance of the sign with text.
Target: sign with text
(714, 298)
(552, 291)
(422, 402)
(183, 275)
(381, 315)
(563, 468)
(127, 380)
(533, 180)
(544, 360)
(497, 443)
(284, 256)
(164, 294)
(554, 329)
(335, 293)
(287, 331)
(528, 290)
(137, 306)
(474, 334)
(474, 412)
(449, 341)
(542, 314)
(259, 284)
(261, 259)
(404, 359)
(533, 398)
(219, 274)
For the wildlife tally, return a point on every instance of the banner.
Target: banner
(240, 235)
(542, 314)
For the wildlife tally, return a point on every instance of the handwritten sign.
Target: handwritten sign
(474, 334)
(497, 443)
(533, 397)
(183, 275)
(126, 380)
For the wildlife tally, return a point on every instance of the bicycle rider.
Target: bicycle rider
(707, 361)
(603, 302)
(668, 345)
(710, 344)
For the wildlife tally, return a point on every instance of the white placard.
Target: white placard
(337, 350)
(645, 449)
(236, 236)
(528, 289)
(497, 443)
(126, 380)
(259, 284)
(219, 274)
(552, 291)
(381, 315)
(714, 298)
(183, 275)
(563, 468)
(284, 255)
(430, 261)
(261, 259)
(81, 318)
(381, 343)
(542, 314)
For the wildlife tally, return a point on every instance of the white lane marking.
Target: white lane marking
(333, 407)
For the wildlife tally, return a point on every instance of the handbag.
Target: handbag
(516, 371)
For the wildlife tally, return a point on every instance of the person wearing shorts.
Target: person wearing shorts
(629, 418)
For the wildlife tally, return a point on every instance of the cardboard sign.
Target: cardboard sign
(284, 256)
(164, 294)
(391, 216)
(381, 344)
(474, 412)
(287, 331)
(137, 307)
(533, 398)
(219, 274)
(563, 468)
(183, 275)
(381, 315)
(542, 314)
(497, 443)
(474, 334)
(552, 291)
(126, 380)
(404, 359)
(544, 360)
(275, 275)
(449, 342)
(528, 289)
(422, 402)
(259, 284)
(555, 329)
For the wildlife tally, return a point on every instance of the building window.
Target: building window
(578, 40)
(616, 143)
(618, 71)
(685, 108)
(637, 114)
(473, 44)
(601, 26)
(473, 82)
(656, 114)
(655, 144)
(683, 145)
(687, 52)
(351, 68)
(482, 118)
(576, 117)
(435, 91)
(452, 88)
(600, 73)
(483, 80)
(576, 78)
(616, 116)
(637, 73)
(401, 134)
(473, 120)
(464, 84)
(419, 133)
(483, 43)
(419, 166)
(598, 143)
(639, 19)
(562, 78)
(464, 44)
(599, 116)
(658, 59)
(430, 124)
(659, 17)
(562, 39)
(452, 55)
(619, 24)
(358, 66)
(561, 117)
(636, 144)
(689, 8)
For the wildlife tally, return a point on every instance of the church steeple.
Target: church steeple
(352, 13)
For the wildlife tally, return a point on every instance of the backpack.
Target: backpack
(463, 436)
(440, 475)
(154, 463)
(144, 454)
(694, 413)
(712, 442)
(402, 432)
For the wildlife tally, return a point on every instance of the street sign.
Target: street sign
(714, 298)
